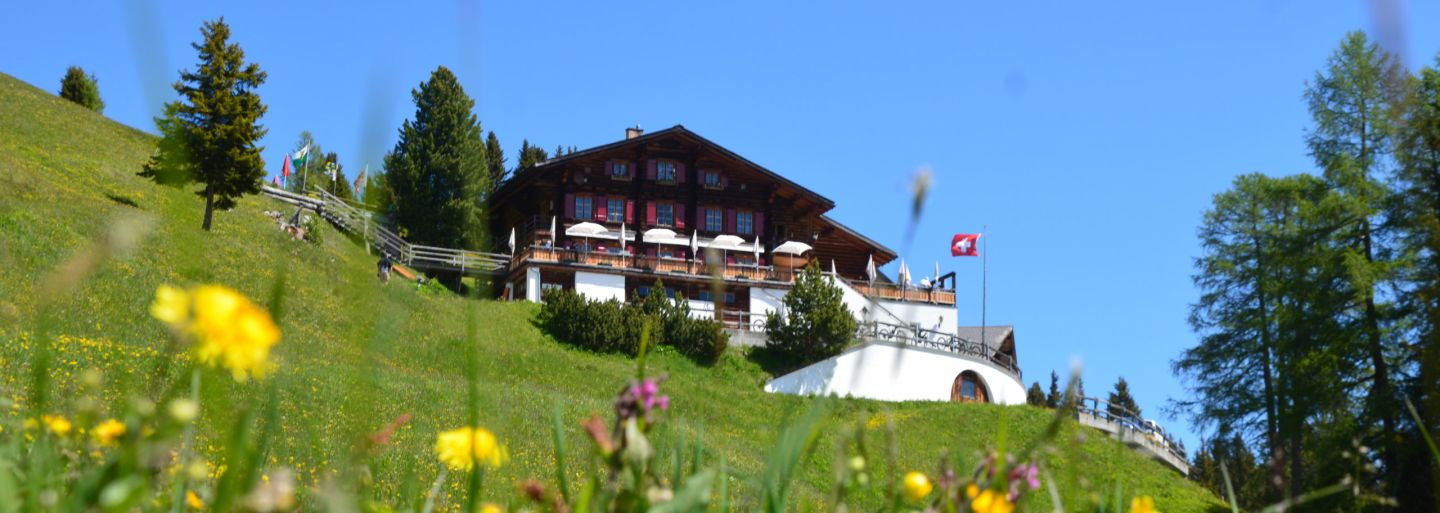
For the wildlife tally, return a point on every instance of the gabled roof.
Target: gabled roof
(886, 254)
(994, 335)
(677, 130)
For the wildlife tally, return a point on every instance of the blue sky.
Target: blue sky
(1087, 137)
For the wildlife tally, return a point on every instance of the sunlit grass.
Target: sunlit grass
(354, 356)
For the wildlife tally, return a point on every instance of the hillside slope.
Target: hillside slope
(355, 354)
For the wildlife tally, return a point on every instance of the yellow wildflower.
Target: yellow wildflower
(990, 501)
(193, 500)
(171, 306)
(229, 330)
(490, 507)
(917, 486)
(971, 491)
(106, 433)
(57, 424)
(1142, 504)
(460, 448)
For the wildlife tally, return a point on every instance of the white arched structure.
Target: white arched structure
(897, 371)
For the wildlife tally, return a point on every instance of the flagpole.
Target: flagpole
(984, 286)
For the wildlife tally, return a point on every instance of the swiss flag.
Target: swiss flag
(964, 244)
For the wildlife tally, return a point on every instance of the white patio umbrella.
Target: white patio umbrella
(870, 269)
(552, 231)
(694, 245)
(725, 243)
(756, 248)
(904, 274)
(832, 268)
(622, 240)
(585, 231)
(792, 248)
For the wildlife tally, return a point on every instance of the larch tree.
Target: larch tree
(530, 155)
(82, 89)
(170, 164)
(1035, 396)
(1351, 102)
(437, 170)
(218, 114)
(1053, 399)
(815, 323)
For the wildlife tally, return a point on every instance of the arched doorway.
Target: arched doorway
(968, 387)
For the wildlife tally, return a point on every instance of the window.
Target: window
(712, 179)
(615, 210)
(584, 207)
(714, 220)
(665, 214)
(969, 388)
(706, 295)
(745, 222)
(620, 169)
(665, 171)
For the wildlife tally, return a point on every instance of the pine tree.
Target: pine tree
(1121, 402)
(1052, 400)
(1351, 103)
(82, 89)
(377, 192)
(816, 324)
(1035, 396)
(437, 170)
(219, 113)
(494, 163)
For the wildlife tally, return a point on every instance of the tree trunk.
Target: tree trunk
(209, 207)
(1272, 438)
(1380, 395)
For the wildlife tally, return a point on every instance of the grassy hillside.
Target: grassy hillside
(355, 354)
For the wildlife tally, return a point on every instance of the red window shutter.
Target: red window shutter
(760, 223)
(679, 215)
(600, 206)
(609, 168)
(649, 213)
(730, 220)
(629, 211)
(650, 170)
(569, 206)
(680, 172)
(724, 181)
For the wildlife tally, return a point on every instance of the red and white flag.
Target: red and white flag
(965, 244)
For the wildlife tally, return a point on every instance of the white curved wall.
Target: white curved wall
(893, 372)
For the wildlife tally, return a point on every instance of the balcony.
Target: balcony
(657, 265)
(896, 292)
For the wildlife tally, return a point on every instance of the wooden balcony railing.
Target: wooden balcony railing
(898, 293)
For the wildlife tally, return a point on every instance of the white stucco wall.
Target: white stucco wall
(927, 315)
(893, 372)
(532, 284)
(599, 286)
(764, 301)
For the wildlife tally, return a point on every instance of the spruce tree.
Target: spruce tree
(530, 155)
(1052, 400)
(494, 163)
(1121, 402)
(219, 113)
(82, 89)
(437, 170)
(1036, 395)
(1416, 213)
(170, 164)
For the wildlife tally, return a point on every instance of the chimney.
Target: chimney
(631, 133)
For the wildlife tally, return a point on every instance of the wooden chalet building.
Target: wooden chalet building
(675, 180)
(671, 205)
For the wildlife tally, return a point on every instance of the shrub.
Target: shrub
(816, 324)
(613, 327)
(82, 89)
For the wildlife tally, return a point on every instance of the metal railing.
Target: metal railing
(1127, 419)
(355, 220)
(939, 340)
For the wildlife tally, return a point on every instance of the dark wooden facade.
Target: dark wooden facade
(714, 191)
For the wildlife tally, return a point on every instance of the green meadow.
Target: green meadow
(84, 243)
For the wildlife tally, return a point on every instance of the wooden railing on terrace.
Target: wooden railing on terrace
(898, 293)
